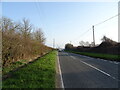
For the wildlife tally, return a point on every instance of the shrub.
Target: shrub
(20, 42)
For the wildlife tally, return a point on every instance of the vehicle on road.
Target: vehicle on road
(60, 50)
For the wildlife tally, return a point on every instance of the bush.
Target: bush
(20, 42)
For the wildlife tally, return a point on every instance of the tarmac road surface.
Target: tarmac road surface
(85, 72)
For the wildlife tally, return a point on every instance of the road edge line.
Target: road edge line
(61, 79)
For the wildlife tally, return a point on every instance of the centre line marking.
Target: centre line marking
(96, 69)
(100, 70)
(72, 57)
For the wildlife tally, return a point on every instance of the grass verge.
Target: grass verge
(39, 74)
(15, 65)
(98, 55)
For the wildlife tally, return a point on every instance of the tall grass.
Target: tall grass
(39, 74)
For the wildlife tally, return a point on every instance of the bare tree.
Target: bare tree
(39, 36)
(106, 39)
(18, 42)
(81, 43)
(68, 46)
(26, 28)
(87, 43)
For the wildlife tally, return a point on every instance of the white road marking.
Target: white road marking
(104, 60)
(101, 59)
(72, 57)
(111, 61)
(66, 53)
(97, 69)
(116, 62)
(60, 72)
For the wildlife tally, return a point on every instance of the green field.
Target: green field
(39, 74)
(99, 55)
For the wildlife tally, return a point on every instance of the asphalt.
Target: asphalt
(84, 72)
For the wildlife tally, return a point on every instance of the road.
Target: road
(84, 72)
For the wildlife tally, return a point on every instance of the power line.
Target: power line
(44, 17)
(102, 23)
(107, 20)
(39, 11)
(83, 33)
(98, 24)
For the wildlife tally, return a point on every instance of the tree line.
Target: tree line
(21, 40)
(107, 46)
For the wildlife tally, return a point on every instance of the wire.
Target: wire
(38, 9)
(42, 13)
(97, 25)
(83, 33)
(107, 20)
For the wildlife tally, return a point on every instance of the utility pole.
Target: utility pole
(53, 43)
(93, 36)
(119, 21)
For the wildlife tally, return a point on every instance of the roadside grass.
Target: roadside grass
(98, 55)
(13, 66)
(39, 74)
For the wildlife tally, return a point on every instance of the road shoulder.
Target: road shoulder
(59, 81)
